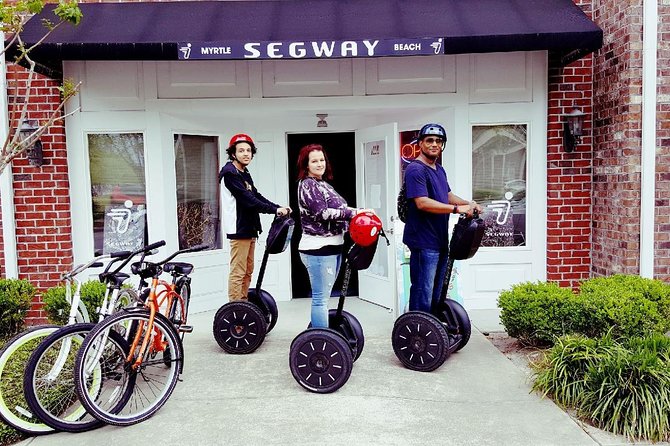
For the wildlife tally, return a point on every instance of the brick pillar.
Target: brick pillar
(617, 132)
(41, 194)
(569, 175)
(662, 227)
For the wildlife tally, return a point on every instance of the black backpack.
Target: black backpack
(403, 203)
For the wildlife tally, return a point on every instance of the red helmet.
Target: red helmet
(240, 137)
(365, 228)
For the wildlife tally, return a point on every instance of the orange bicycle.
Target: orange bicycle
(134, 374)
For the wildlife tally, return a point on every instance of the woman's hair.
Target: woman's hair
(303, 161)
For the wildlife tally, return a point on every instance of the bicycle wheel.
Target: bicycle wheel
(48, 382)
(13, 358)
(128, 392)
(128, 297)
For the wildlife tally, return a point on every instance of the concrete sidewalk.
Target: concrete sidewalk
(478, 397)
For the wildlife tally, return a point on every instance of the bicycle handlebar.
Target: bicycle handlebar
(125, 256)
(94, 263)
(182, 251)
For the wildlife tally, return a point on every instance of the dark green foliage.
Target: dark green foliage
(8, 435)
(630, 305)
(629, 390)
(535, 313)
(562, 372)
(624, 306)
(619, 386)
(15, 298)
(57, 307)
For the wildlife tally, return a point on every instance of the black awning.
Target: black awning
(154, 30)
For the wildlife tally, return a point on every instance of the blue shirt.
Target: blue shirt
(424, 230)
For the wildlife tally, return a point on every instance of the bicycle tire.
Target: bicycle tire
(13, 357)
(128, 396)
(48, 382)
(175, 313)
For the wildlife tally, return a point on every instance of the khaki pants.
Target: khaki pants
(241, 268)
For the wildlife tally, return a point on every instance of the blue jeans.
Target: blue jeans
(426, 271)
(322, 272)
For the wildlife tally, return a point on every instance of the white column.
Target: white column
(10, 269)
(648, 173)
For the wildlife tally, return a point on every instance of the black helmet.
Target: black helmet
(432, 130)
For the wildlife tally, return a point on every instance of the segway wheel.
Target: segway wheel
(239, 327)
(267, 305)
(420, 341)
(354, 327)
(463, 330)
(349, 327)
(320, 360)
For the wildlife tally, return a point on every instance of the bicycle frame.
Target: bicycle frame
(154, 302)
(78, 312)
(109, 302)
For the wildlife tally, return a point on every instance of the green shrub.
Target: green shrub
(622, 386)
(57, 307)
(9, 435)
(625, 306)
(628, 391)
(561, 374)
(536, 313)
(631, 306)
(15, 298)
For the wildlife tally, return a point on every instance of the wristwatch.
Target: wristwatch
(455, 211)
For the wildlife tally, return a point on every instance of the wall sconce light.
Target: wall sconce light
(322, 120)
(573, 128)
(33, 152)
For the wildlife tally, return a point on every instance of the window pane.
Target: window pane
(196, 167)
(118, 191)
(499, 181)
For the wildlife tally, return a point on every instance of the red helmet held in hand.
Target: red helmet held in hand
(365, 228)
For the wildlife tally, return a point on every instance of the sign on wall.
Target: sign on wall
(124, 228)
(322, 49)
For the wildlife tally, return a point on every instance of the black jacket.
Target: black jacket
(242, 203)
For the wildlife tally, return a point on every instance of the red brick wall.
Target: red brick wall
(662, 229)
(569, 174)
(617, 133)
(41, 195)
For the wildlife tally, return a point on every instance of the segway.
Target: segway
(423, 341)
(321, 359)
(240, 326)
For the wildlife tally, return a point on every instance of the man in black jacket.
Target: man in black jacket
(242, 204)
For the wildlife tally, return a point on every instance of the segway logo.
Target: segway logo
(324, 49)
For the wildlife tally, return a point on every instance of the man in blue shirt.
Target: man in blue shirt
(426, 229)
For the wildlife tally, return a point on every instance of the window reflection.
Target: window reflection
(499, 154)
(118, 190)
(196, 163)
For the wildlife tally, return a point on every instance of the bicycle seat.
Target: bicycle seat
(179, 268)
(145, 269)
(114, 279)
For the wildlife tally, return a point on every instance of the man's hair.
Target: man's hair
(231, 150)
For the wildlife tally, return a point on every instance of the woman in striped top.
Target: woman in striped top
(324, 216)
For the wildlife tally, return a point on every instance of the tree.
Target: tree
(13, 17)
